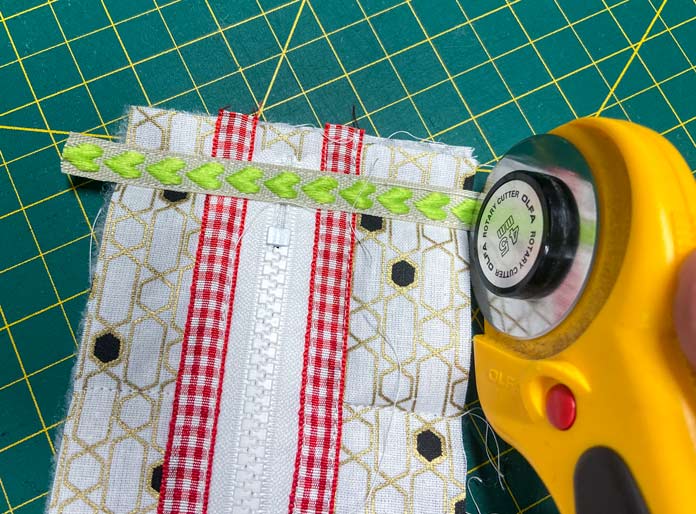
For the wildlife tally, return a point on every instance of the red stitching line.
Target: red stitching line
(344, 349)
(252, 138)
(233, 288)
(216, 136)
(358, 158)
(324, 146)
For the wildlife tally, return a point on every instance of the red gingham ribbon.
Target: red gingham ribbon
(321, 394)
(192, 430)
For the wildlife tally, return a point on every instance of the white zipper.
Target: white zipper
(250, 494)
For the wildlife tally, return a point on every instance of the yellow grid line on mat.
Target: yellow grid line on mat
(39, 202)
(345, 73)
(125, 52)
(389, 59)
(181, 57)
(658, 11)
(29, 501)
(43, 117)
(593, 63)
(220, 31)
(292, 97)
(497, 70)
(87, 34)
(28, 437)
(636, 49)
(680, 123)
(44, 430)
(543, 62)
(38, 371)
(587, 52)
(77, 67)
(473, 118)
(45, 252)
(59, 303)
(38, 246)
(50, 131)
(285, 55)
(4, 494)
(255, 64)
(30, 9)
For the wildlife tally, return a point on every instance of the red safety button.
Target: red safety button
(560, 407)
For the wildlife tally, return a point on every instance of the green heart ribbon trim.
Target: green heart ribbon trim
(314, 189)
(167, 170)
(320, 189)
(282, 184)
(206, 175)
(394, 200)
(357, 194)
(126, 164)
(466, 210)
(82, 156)
(245, 179)
(432, 206)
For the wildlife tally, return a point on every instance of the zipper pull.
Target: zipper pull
(278, 234)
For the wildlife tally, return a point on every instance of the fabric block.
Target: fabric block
(245, 356)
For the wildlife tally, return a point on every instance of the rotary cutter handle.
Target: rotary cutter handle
(576, 252)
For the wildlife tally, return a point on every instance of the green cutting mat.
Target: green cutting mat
(484, 73)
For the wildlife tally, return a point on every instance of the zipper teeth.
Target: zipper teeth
(255, 426)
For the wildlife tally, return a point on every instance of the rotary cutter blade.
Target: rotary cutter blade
(534, 240)
(575, 253)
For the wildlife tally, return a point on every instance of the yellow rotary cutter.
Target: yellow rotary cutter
(576, 252)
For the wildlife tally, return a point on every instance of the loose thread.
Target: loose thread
(93, 241)
(495, 463)
(416, 138)
(358, 241)
(394, 408)
(247, 226)
(471, 494)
